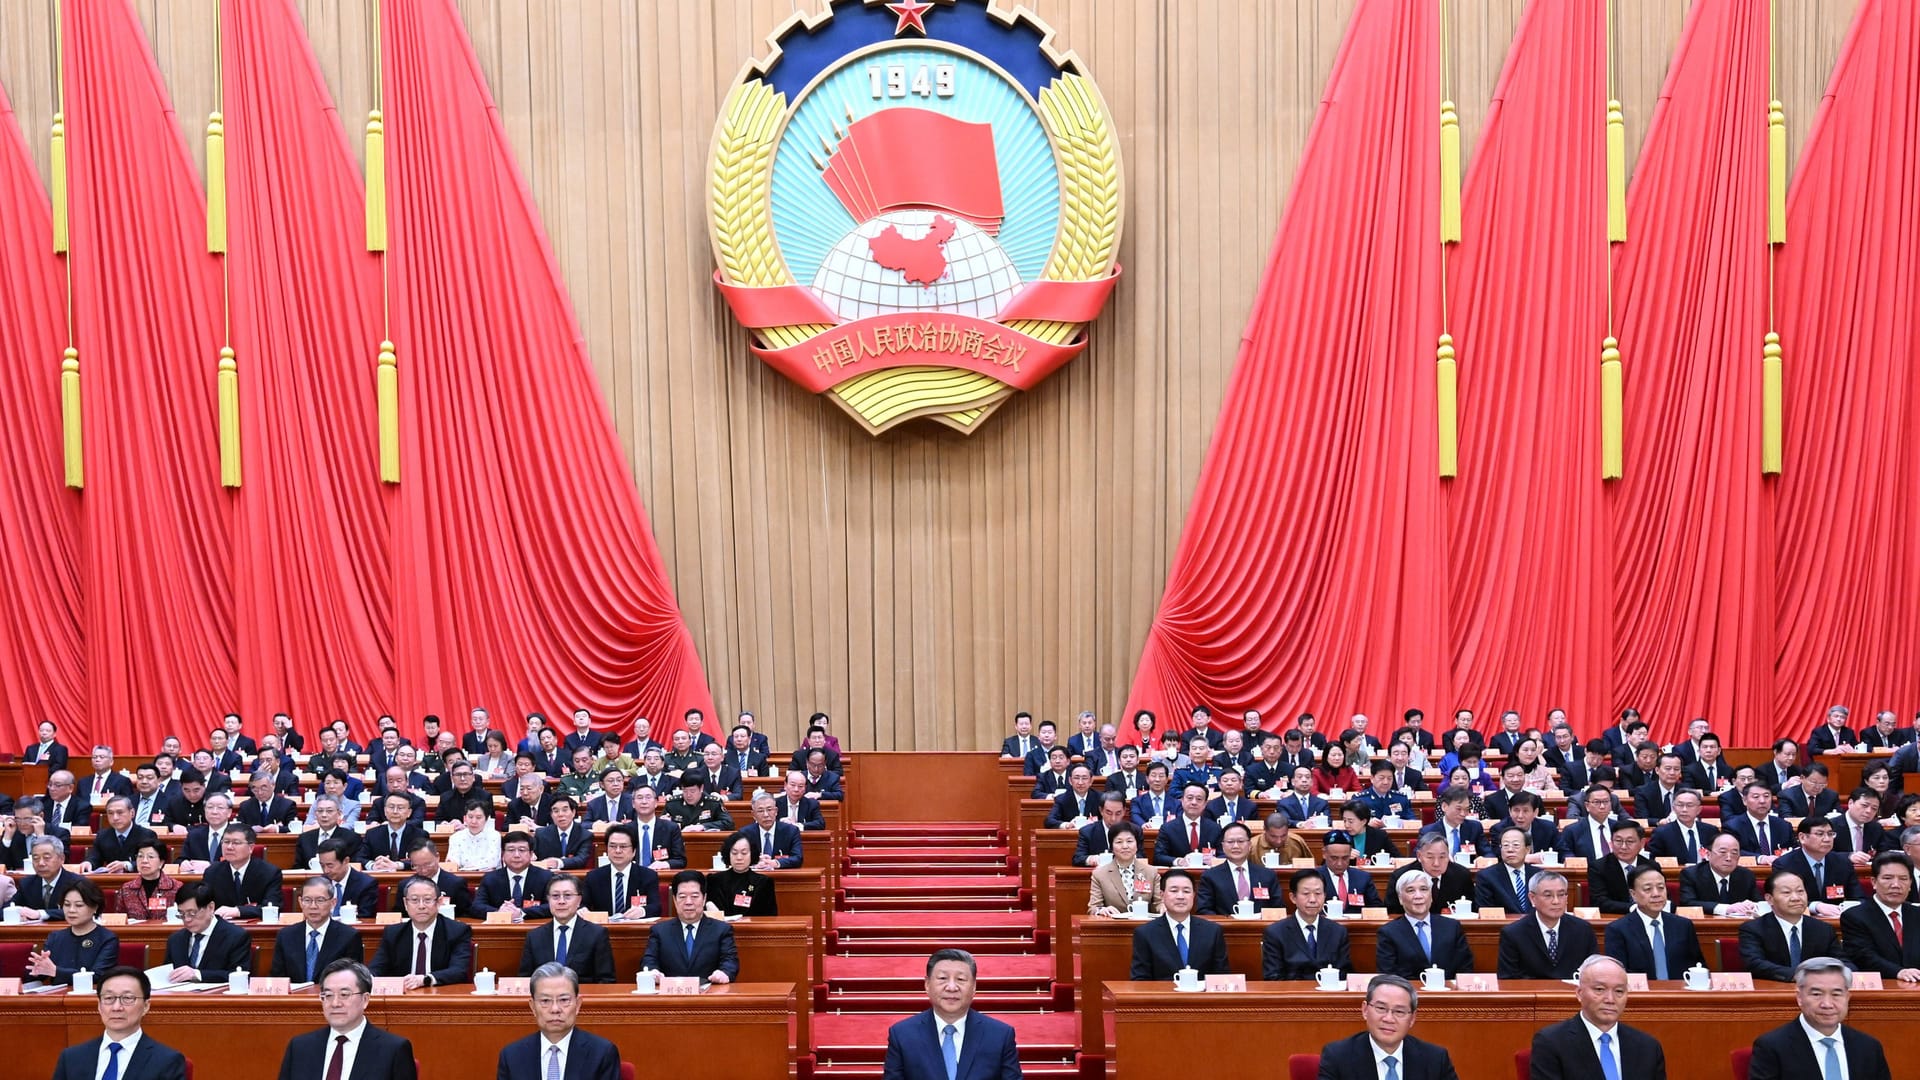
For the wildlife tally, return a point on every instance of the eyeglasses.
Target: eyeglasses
(120, 1001)
(339, 997)
(1394, 1012)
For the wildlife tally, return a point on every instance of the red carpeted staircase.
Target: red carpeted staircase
(910, 888)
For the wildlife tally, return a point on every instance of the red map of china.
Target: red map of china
(922, 260)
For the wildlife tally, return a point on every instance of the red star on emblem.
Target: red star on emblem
(911, 13)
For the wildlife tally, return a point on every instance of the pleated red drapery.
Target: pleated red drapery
(1312, 566)
(313, 573)
(1530, 583)
(1692, 530)
(42, 666)
(525, 570)
(1849, 287)
(157, 558)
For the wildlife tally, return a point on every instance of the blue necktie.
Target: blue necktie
(952, 1053)
(1793, 947)
(1609, 1069)
(1520, 890)
(1659, 951)
(113, 1063)
(1180, 941)
(1819, 878)
(690, 936)
(313, 955)
(1829, 1067)
(339, 896)
(646, 849)
(560, 948)
(1426, 943)
(553, 1062)
(1393, 1068)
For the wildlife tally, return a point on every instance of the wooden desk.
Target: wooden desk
(19, 779)
(454, 1033)
(771, 950)
(1152, 1025)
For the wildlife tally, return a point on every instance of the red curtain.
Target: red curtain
(1530, 582)
(42, 667)
(1312, 568)
(1848, 614)
(314, 581)
(157, 560)
(525, 572)
(1692, 528)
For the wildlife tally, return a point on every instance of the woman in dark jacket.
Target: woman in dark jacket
(81, 944)
(740, 890)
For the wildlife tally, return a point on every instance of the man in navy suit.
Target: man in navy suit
(1075, 803)
(1350, 885)
(1151, 807)
(1386, 1048)
(559, 1049)
(1651, 940)
(1461, 832)
(1022, 742)
(1177, 837)
(378, 848)
(1503, 885)
(1773, 944)
(444, 958)
(624, 886)
(1759, 830)
(1181, 939)
(950, 1039)
(794, 806)
(1607, 876)
(1096, 837)
(1720, 885)
(1868, 931)
(207, 948)
(123, 1049)
(346, 986)
(1814, 1043)
(1571, 1049)
(566, 844)
(241, 883)
(305, 949)
(690, 944)
(1811, 796)
(1589, 836)
(1298, 947)
(517, 885)
(1040, 758)
(775, 844)
(1833, 734)
(1420, 939)
(1686, 836)
(1549, 944)
(574, 942)
(349, 886)
(1238, 877)
(1830, 876)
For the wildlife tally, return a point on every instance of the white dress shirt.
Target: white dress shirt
(547, 1047)
(127, 1047)
(1594, 1033)
(350, 1050)
(1820, 1052)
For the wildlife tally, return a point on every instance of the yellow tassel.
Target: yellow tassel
(1612, 412)
(229, 379)
(59, 166)
(1776, 177)
(1616, 174)
(376, 183)
(1771, 391)
(1447, 406)
(70, 417)
(386, 384)
(216, 184)
(1449, 174)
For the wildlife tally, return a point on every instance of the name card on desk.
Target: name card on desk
(1467, 980)
(113, 919)
(679, 984)
(1359, 980)
(593, 916)
(1226, 984)
(389, 984)
(385, 918)
(1692, 912)
(1588, 913)
(1575, 862)
(1636, 982)
(11, 987)
(521, 987)
(1862, 980)
(1665, 861)
(259, 985)
(494, 917)
(1730, 980)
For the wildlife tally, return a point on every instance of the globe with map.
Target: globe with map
(914, 261)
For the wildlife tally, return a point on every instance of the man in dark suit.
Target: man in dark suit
(1022, 742)
(1815, 1043)
(1420, 939)
(1686, 836)
(66, 808)
(1709, 771)
(474, 742)
(1654, 801)
(1152, 807)
(1461, 832)
(1297, 947)
(623, 886)
(516, 885)
(383, 847)
(1524, 812)
(1096, 837)
(1449, 879)
(822, 781)
(1181, 939)
(1509, 737)
(1513, 781)
(264, 811)
(348, 884)
(426, 948)
(423, 858)
(1550, 944)
(207, 948)
(46, 857)
(124, 996)
(559, 1049)
(1607, 877)
(1832, 733)
(1203, 727)
(794, 806)
(305, 949)
(566, 844)
(950, 1041)
(241, 883)
(1885, 733)
(306, 846)
(1571, 1049)
(1237, 877)
(690, 945)
(1176, 840)
(1759, 830)
(48, 751)
(581, 945)
(1077, 802)
(1830, 876)
(1651, 940)
(1041, 758)
(113, 846)
(1773, 944)
(1857, 831)
(1413, 729)
(661, 845)
(346, 986)
(1587, 837)
(1783, 767)
(1389, 1012)
(1720, 885)
(775, 844)
(1811, 796)
(1503, 886)
(1348, 884)
(1880, 934)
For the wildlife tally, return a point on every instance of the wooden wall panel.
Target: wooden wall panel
(920, 586)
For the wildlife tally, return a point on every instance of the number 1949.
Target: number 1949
(898, 80)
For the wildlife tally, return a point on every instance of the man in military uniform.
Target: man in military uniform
(682, 757)
(695, 809)
(581, 781)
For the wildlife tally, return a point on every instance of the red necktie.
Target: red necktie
(1193, 836)
(339, 1057)
(1340, 886)
(1898, 934)
(420, 957)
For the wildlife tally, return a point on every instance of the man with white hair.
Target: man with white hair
(1572, 1047)
(1815, 1043)
(1420, 939)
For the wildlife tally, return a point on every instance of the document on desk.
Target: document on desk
(188, 987)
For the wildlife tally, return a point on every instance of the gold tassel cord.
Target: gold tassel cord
(216, 184)
(1446, 401)
(387, 393)
(376, 182)
(1616, 174)
(229, 379)
(1770, 405)
(1449, 174)
(59, 178)
(1776, 174)
(1612, 412)
(70, 418)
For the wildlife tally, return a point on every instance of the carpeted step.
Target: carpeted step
(1039, 1070)
(909, 973)
(916, 861)
(930, 885)
(986, 923)
(924, 828)
(861, 1001)
(850, 1038)
(876, 904)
